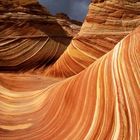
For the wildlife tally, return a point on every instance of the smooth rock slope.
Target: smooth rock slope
(102, 102)
(99, 99)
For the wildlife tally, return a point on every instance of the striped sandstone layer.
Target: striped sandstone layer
(101, 102)
(106, 23)
(30, 37)
(102, 98)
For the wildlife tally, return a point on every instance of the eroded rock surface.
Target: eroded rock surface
(102, 102)
(30, 37)
(101, 99)
(106, 23)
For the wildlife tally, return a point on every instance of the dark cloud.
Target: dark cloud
(75, 9)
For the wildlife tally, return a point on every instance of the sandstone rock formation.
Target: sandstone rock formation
(106, 23)
(102, 102)
(102, 98)
(30, 37)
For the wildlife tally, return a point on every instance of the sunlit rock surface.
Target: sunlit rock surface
(100, 101)
(106, 23)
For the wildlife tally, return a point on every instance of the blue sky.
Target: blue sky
(75, 9)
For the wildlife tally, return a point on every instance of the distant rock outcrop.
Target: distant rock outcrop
(30, 37)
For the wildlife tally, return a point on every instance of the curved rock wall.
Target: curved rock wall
(106, 23)
(101, 102)
(30, 37)
(101, 99)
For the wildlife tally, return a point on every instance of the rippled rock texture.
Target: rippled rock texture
(100, 99)
(106, 23)
(30, 37)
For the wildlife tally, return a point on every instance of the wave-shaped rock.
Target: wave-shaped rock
(106, 23)
(101, 102)
(102, 98)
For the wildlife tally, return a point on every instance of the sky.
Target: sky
(75, 9)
